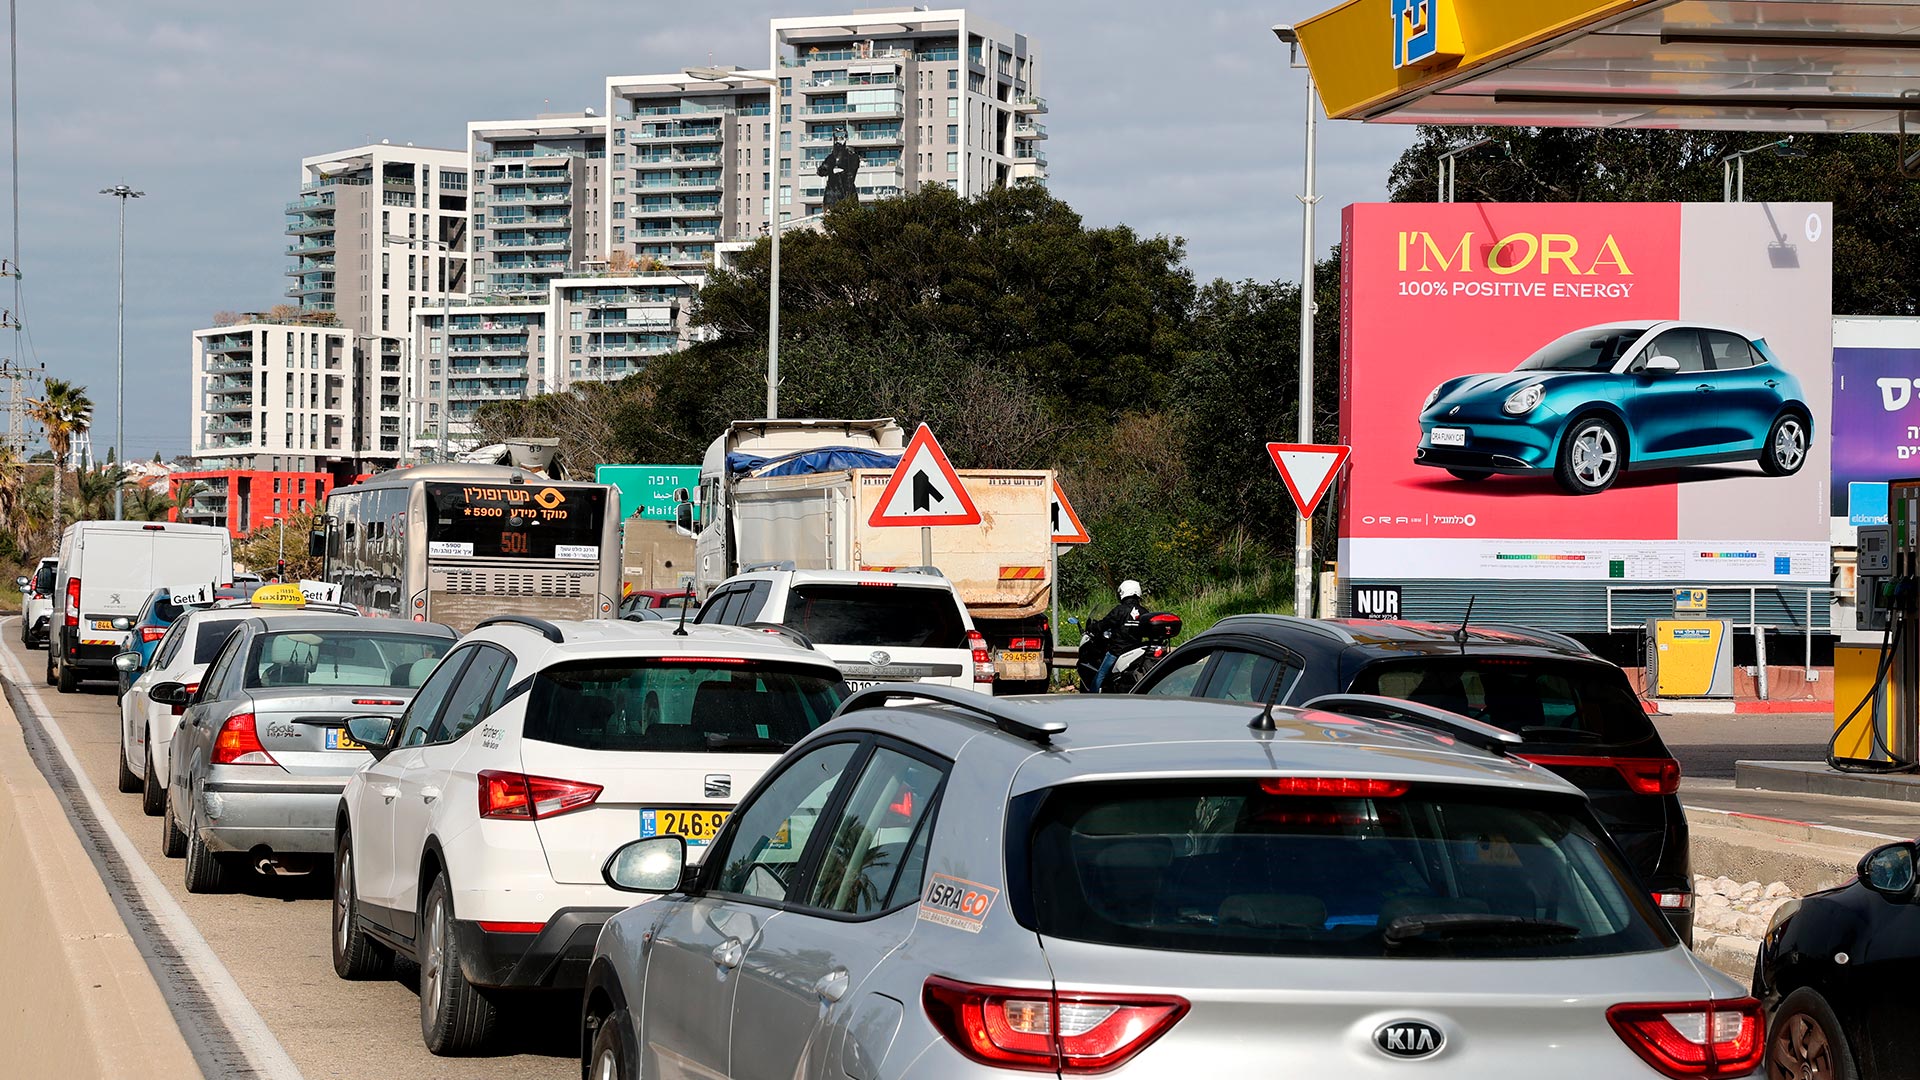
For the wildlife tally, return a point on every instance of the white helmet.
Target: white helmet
(1128, 588)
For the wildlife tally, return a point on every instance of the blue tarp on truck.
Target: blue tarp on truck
(802, 462)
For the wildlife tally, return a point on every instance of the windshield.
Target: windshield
(889, 616)
(342, 658)
(1596, 348)
(1229, 866)
(516, 521)
(686, 706)
(1541, 699)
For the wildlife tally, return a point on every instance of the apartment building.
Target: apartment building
(537, 208)
(273, 396)
(922, 96)
(242, 500)
(605, 328)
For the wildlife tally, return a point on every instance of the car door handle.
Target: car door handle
(389, 793)
(1773, 382)
(728, 954)
(832, 986)
(429, 795)
(1705, 388)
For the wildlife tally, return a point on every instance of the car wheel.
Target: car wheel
(173, 842)
(1470, 475)
(207, 871)
(455, 1018)
(69, 679)
(1805, 1040)
(153, 795)
(1591, 457)
(129, 783)
(355, 954)
(1786, 448)
(50, 678)
(607, 1060)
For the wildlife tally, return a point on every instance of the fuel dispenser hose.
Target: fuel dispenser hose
(1889, 646)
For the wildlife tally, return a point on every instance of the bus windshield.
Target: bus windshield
(525, 521)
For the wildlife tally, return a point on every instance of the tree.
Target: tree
(142, 503)
(63, 411)
(261, 550)
(1876, 212)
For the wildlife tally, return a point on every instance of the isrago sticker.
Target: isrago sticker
(957, 902)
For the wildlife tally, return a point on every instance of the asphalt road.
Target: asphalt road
(1708, 745)
(271, 934)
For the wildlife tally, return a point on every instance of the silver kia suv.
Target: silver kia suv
(941, 884)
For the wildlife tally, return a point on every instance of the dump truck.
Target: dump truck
(798, 493)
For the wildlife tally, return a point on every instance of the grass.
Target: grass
(1269, 592)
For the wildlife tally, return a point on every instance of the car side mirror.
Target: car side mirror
(654, 864)
(20, 583)
(683, 516)
(372, 732)
(168, 693)
(1889, 870)
(317, 544)
(128, 662)
(1660, 365)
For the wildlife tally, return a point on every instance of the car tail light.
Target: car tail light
(192, 688)
(702, 659)
(1024, 643)
(1673, 901)
(377, 701)
(73, 602)
(982, 658)
(519, 797)
(1334, 787)
(1046, 1030)
(1694, 1039)
(237, 743)
(151, 634)
(1645, 776)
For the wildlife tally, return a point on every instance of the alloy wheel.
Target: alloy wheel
(1790, 444)
(1801, 1051)
(606, 1066)
(342, 902)
(1595, 456)
(433, 959)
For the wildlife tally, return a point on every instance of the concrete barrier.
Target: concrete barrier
(77, 1000)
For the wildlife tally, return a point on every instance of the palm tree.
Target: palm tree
(145, 504)
(62, 411)
(12, 490)
(93, 491)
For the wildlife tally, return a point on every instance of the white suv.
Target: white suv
(474, 841)
(904, 626)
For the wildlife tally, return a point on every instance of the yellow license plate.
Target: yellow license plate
(697, 826)
(103, 624)
(1024, 657)
(338, 739)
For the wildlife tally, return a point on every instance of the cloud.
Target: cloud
(1178, 119)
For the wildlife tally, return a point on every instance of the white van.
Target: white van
(107, 569)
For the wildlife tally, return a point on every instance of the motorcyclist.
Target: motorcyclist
(1119, 629)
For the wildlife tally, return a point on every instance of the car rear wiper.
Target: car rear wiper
(744, 742)
(1561, 734)
(1473, 924)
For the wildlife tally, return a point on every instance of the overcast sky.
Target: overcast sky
(1171, 117)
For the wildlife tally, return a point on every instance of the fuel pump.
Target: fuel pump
(1888, 600)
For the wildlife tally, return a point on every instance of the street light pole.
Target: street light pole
(123, 193)
(1450, 168)
(709, 74)
(1303, 574)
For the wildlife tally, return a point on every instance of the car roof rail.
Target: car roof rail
(776, 564)
(539, 626)
(1412, 713)
(1315, 626)
(781, 629)
(1547, 637)
(1000, 713)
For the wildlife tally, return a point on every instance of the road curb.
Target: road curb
(78, 998)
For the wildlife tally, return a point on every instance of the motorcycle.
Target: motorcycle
(1156, 631)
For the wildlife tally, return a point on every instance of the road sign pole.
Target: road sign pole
(926, 545)
(1053, 588)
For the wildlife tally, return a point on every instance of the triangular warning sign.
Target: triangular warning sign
(1066, 524)
(924, 489)
(1307, 470)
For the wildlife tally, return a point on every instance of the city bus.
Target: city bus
(455, 544)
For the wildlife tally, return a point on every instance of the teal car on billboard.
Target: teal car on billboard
(1620, 397)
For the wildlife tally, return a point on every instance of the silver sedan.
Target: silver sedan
(262, 753)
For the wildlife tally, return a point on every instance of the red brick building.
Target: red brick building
(242, 500)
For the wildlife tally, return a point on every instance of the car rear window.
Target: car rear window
(682, 706)
(1231, 866)
(890, 616)
(43, 579)
(1543, 700)
(342, 658)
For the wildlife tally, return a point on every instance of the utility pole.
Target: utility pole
(1303, 573)
(123, 193)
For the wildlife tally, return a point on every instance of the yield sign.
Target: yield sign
(1066, 524)
(1307, 470)
(924, 489)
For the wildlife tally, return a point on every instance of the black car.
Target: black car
(1835, 974)
(1576, 712)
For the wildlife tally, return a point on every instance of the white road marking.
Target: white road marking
(242, 1020)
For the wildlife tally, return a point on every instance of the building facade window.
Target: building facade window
(953, 107)
(953, 161)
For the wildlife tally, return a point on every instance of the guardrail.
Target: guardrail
(1790, 599)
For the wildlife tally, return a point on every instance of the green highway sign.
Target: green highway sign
(648, 489)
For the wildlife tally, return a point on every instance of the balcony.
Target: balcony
(838, 81)
(1028, 153)
(542, 176)
(697, 182)
(669, 132)
(526, 217)
(489, 393)
(482, 368)
(322, 243)
(640, 112)
(499, 347)
(660, 320)
(334, 181)
(1029, 103)
(224, 424)
(628, 298)
(237, 402)
(310, 288)
(873, 181)
(629, 348)
(324, 200)
(675, 157)
(825, 137)
(530, 197)
(309, 266)
(533, 153)
(307, 223)
(1029, 130)
(865, 108)
(675, 209)
(536, 242)
(828, 56)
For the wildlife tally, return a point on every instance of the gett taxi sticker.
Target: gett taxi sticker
(957, 902)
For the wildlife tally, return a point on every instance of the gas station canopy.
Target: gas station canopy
(1761, 65)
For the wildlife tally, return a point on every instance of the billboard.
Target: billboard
(1598, 392)
(1876, 413)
